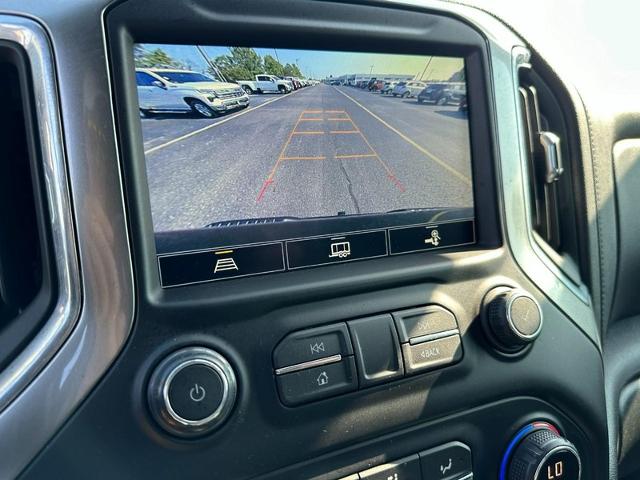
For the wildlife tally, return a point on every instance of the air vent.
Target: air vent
(553, 161)
(26, 286)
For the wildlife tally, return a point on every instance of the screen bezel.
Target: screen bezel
(217, 25)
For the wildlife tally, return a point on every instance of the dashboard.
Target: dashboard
(310, 240)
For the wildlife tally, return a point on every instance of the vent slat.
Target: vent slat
(554, 217)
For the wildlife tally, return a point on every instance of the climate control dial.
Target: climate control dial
(539, 452)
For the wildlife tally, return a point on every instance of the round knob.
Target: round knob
(192, 391)
(514, 318)
(539, 452)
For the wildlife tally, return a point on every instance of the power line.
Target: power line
(425, 68)
(210, 63)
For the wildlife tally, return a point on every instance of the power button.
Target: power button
(192, 391)
(195, 391)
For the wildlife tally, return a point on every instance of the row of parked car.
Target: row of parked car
(165, 90)
(273, 84)
(439, 93)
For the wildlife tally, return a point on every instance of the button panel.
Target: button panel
(424, 321)
(407, 468)
(318, 382)
(430, 338)
(313, 344)
(451, 461)
(433, 354)
(430, 237)
(447, 462)
(222, 263)
(325, 250)
(377, 351)
(326, 361)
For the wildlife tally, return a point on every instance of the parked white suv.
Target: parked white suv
(408, 89)
(173, 90)
(266, 84)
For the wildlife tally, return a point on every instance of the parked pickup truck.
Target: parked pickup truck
(266, 84)
(173, 90)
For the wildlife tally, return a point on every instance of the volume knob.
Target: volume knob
(514, 318)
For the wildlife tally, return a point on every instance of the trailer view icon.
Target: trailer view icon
(340, 250)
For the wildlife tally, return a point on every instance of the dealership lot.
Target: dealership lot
(319, 151)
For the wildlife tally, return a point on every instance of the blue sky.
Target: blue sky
(321, 64)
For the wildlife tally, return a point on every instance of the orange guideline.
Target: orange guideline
(353, 131)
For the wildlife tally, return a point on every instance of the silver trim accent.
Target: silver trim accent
(433, 336)
(554, 450)
(19, 373)
(572, 298)
(163, 375)
(310, 364)
(553, 156)
(78, 94)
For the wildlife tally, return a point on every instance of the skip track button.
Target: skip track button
(315, 345)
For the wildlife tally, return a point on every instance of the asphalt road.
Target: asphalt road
(162, 128)
(316, 152)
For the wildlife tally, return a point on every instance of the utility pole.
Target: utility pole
(371, 70)
(425, 68)
(276, 52)
(210, 63)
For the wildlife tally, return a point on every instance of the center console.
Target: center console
(330, 286)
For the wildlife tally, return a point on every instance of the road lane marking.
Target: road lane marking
(390, 173)
(334, 111)
(344, 131)
(269, 179)
(224, 120)
(433, 157)
(358, 155)
(311, 119)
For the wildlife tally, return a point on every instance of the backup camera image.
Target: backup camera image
(263, 134)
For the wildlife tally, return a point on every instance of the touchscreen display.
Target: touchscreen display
(280, 147)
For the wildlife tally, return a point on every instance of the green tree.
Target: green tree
(138, 51)
(273, 66)
(458, 76)
(240, 64)
(292, 70)
(155, 59)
